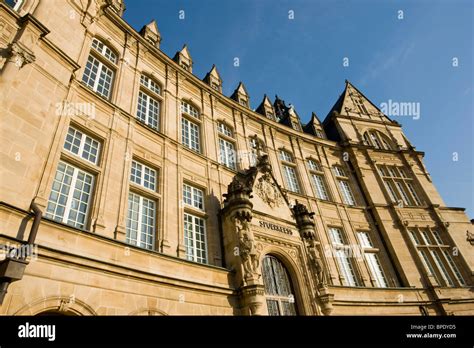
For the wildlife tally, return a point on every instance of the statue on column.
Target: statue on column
(316, 263)
(247, 250)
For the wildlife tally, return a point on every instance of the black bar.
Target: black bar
(243, 331)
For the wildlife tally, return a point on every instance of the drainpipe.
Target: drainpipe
(13, 267)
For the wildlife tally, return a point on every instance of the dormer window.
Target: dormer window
(243, 102)
(269, 115)
(185, 66)
(215, 86)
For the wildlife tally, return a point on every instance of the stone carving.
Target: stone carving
(21, 55)
(268, 191)
(470, 237)
(248, 252)
(316, 264)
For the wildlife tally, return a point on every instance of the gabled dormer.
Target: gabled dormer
(294, 118)
(213, 79)
(241, 95)
(314, 127)
(266, 109)
(286, 115)
(183, 58)
(151, 33)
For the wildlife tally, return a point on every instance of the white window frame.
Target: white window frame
(320, 186)
(190, 110)
(436, 252)
(372, 259)
(291, 178)
(140, 180)
(227, 153)
(104, 50)
(150, 84)
(192, 129)
(70, 196)
(345, 263)
(196, 197)
(346, 191)
(191, 236)
(83, 139)
(286, 156)
(102, 69)
(152, 110)
(224, 129)
(141, 240)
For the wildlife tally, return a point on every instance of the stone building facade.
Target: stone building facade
(131, 186)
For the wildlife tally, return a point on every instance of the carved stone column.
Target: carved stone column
(241, 254)
(304, 221)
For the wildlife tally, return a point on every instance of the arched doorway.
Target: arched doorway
(278, 289)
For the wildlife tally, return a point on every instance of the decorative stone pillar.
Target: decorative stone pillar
(304, 221)
(241, 254)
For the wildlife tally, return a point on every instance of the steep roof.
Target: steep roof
(345, 103)
(214, 73)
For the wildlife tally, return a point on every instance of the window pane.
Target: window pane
(140, 230)
(278, 289)
(195, 238)
(190, 134)
(364, 239)
(101, 48)
(403, 193)
(320, 186)
(291, 179)
(346, 192)
(193, 196)
(286, 156)
(148, 110)
(70, 195)
(376, 270)
(224, 129)
(227, 154)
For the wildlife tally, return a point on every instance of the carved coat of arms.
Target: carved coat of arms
(268, 191)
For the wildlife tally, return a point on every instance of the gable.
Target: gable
(269, 199)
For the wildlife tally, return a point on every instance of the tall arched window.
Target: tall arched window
(278, 289)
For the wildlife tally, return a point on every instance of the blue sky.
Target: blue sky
(301, 60)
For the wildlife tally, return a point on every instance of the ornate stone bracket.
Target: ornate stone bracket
(21, 55)
(253, 297)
